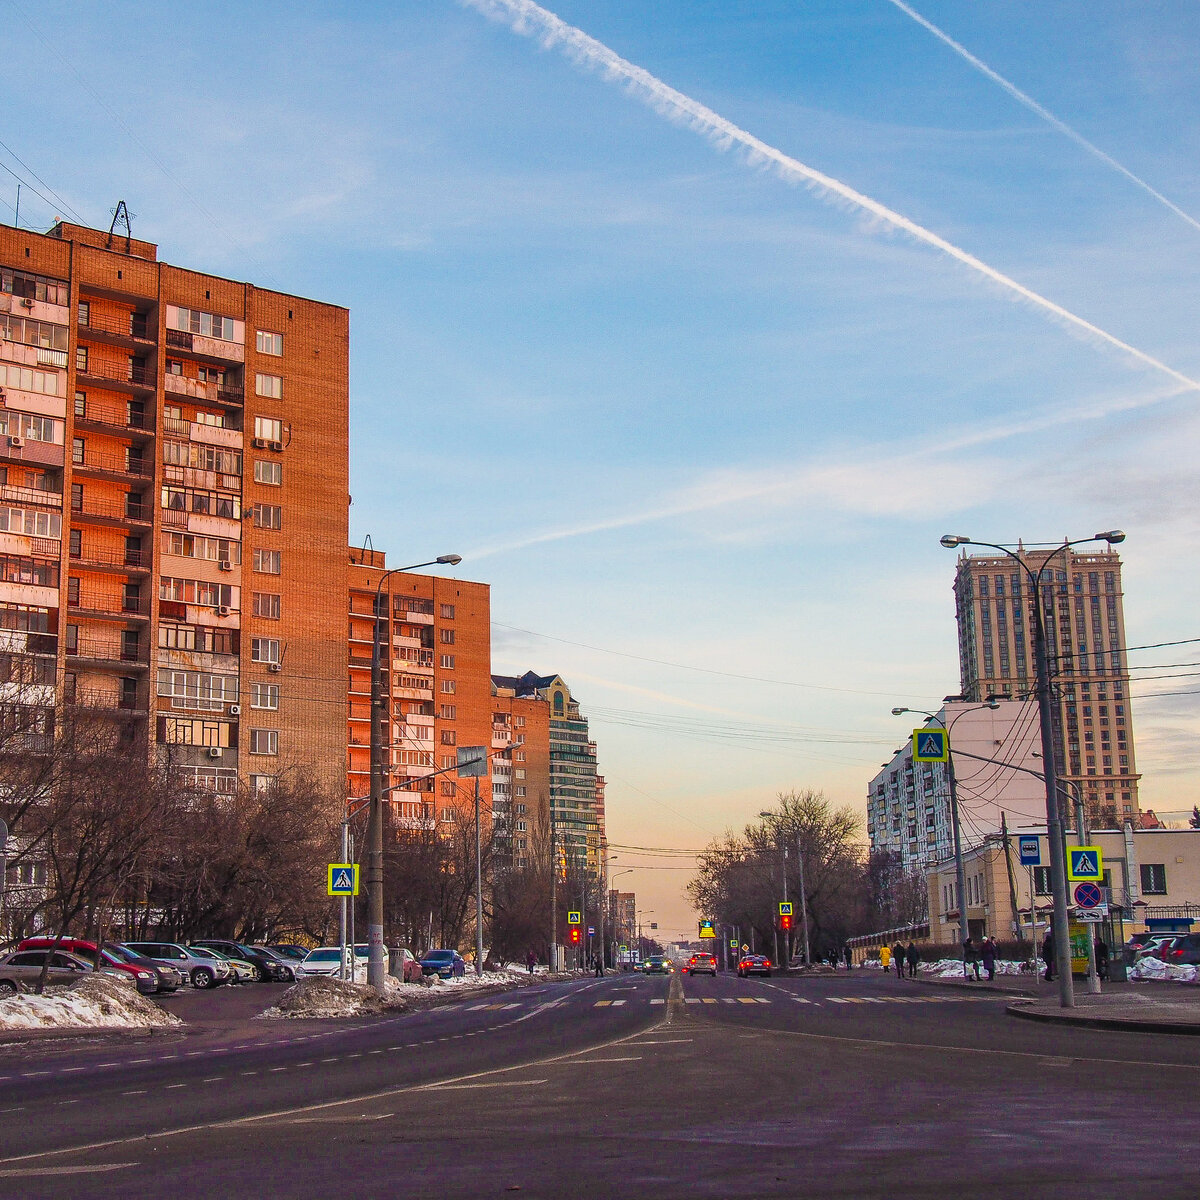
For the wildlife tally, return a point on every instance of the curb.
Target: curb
(1116, 1024)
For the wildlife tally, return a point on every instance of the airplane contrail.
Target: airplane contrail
(531, 20)
(1034, 107)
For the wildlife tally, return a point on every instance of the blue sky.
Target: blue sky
(677, 406)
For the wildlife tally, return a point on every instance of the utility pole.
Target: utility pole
(1012, 881)
(803, 901)
(1093, 979)
(3, 868)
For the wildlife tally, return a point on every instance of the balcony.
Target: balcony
(134, 376)
(123, 329)
(12, 494)
(205, 347)
(102, 510)
(101, 418)
(108, 702)
(112, 558)
(95, 603)
(113, 465)
(100, 650)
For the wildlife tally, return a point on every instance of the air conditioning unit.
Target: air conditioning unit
(259, 443)
(222, 610)
(27, 303)
(276, 446)
(214, 752)
(225, 565)
(274, 668)
(235, 710)
(16, 442)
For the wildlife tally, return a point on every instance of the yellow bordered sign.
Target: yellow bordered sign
(930, 745)
(342, 880)
(574, 918)
(1085, 864)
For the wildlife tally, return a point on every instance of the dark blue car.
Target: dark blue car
(443, 963)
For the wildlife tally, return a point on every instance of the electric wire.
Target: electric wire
(63, 205)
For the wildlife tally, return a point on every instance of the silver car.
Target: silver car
(21, 971)
(201, 972)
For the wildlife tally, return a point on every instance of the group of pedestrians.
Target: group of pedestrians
(973, 955)
(903, 956)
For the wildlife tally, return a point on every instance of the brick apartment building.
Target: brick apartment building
(520, 785)
(1084, 616)
(173, 503)
(437, 675)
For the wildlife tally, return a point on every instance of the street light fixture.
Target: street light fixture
(1054, 827)
(376, 970)
(960, 870)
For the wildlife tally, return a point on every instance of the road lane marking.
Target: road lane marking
(341, 1120)
(84, 1169)
(664, 1042)
(602, 1003)
(630, 1058)
(655, 1000)
(465, 1087)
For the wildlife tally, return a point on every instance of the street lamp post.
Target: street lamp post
(1054, 828)
(787, 940)
(960, 870)
(376, 969)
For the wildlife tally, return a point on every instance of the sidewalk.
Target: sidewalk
(1145, 1007)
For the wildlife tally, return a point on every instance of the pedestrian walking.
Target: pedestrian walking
(1101, 958)
(898, 955)
(598, 965)
(1048, 955)
(885, 957)
(989, 956)
(849, 957)
(970, 959)
(530, 961)
(912, 957)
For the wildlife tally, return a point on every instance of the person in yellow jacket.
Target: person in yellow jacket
(885, 957)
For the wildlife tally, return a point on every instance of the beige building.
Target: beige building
(1089, 673)
(1151, 876)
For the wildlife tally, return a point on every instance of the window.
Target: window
(448, 687)
(195, 689)
(264, 741)
(519, 773)
(265, 650)
(26, 379)
(448, 737)
(211, 419)
(448, 612)
(268, 343)
(81, 358)
(1041, 881)
(270, 473)
(447, 661)
(266, 605)
(268, 562)
(264, 695)
(270, 386)
(519, 755)
(447, 637)
(174, 366)
(448, 712)
(205, 324)
(447, 788)
(268, 516)
(261, 783)
(520, 791)
(270, 428)
(1154, 879)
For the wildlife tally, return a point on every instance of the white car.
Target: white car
(327, 961)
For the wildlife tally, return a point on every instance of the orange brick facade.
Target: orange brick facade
(437, 663)
(175, 455)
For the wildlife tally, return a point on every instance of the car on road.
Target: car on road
(268, 969)
(754, 964)
(22, 969)
(700, 964)
(657, 964)
(147, 975)
(445, 964)
(1182, 950)
(201, 972)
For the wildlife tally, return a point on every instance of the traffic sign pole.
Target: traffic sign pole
(1093, 976)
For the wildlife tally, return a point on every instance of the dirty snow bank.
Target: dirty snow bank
(1155, 968)
(322, 996)
(99, 1002)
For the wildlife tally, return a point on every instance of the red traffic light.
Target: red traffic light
(574, 935)
(785, 922)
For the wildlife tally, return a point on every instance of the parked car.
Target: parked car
(146, 974)
(23, 968)
(200, 971)
(754, 964)
(445, 964)
(327, 961)
(410, 970)
(240, 970)
(1182, 951)
(290, 950)
(700, 964)
(268, 969)
(1153, 944)
(288, 964)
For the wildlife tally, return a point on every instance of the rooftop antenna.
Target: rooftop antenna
(120, 217)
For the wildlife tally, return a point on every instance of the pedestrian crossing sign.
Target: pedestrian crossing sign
(785, 908)
(1085, 863)
(930, 745)
(574, 918)
(343, 879)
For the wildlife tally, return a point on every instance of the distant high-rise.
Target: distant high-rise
(1085, 643)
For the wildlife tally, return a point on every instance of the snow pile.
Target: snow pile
(99, 1002)
(323, 996)
(953, 968)
(1155, 968)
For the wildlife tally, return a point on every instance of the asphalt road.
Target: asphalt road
(858, 1085)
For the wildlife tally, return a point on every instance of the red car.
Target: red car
(699, 964)
(754, 964)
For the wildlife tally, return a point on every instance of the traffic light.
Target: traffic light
(574, 935)
(785, 922)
